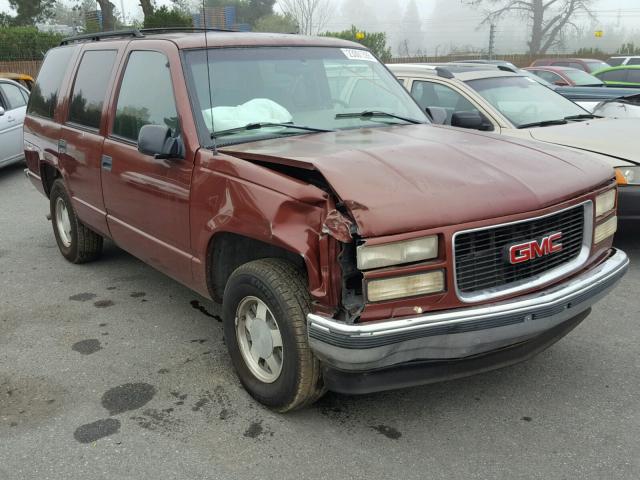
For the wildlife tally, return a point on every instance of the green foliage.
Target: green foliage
(163, 17)
(376, 42)
(25, 43)
(276, 24)
(30, 12)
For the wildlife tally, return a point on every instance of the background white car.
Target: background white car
(13, 106)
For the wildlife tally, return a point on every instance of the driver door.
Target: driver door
(147, 199)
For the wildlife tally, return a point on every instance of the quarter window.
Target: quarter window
(146, 96)
(90, 88)
(44, 96)
(13, 96)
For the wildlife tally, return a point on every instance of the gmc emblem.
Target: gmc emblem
(523, 252)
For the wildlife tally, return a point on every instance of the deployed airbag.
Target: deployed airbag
(258, 110)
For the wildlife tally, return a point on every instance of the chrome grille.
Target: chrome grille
(482, 257)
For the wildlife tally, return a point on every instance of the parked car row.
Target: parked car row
(490, 99)
(354, 246)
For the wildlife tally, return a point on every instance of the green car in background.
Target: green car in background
(623, 76)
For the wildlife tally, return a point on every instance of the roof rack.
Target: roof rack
(183, 29)
(95, 37)
(136, 33)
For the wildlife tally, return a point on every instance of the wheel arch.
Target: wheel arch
(226, 251)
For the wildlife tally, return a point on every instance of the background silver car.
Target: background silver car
(13, 106)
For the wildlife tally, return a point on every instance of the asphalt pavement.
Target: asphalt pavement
(111, 370)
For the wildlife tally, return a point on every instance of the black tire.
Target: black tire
(282, 287)
(85, 244)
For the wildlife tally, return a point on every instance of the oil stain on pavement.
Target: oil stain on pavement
(103, 303)
(82, 297)
(129, 396)
(196, 304)
(87, 347)
(387, 431)
(99, 429)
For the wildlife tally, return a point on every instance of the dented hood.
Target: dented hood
(407, 178)
(607, 136)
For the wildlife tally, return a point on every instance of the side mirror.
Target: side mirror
(156, 140)
(1, 111)
(438, 115)
(470, 120)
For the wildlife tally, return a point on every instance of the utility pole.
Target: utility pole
(492, 40)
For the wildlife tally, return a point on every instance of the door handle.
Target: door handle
(11, 119)
(106, 162)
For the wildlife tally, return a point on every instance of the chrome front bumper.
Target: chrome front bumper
(463, 332)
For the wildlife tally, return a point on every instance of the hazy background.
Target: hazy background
(428, 26)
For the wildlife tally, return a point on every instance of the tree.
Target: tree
(376, 42)
(310, 15)
(30, 12)
(108, 18)
(413, 41)
(163, 17)
(548, 18)
(147, 8)
(276, 23)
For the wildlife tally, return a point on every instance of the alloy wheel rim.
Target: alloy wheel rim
(259, 339)
(63, 222)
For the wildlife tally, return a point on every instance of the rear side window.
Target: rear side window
(44, 96)
(146, 96)
(634, 61)
(12, 95)
(613, 76)
(90, 87)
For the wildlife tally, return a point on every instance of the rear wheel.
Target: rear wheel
(265, 307)
(76, 242)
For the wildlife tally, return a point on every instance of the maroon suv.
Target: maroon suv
(354, 246)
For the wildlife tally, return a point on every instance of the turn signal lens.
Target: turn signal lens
(409, 286)
(605, 229)
(605, 202)
(628, 175)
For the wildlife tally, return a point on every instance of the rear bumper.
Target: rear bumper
(629, 202)
(463, 333)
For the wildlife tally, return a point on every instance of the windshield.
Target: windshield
(581, 78)
(303, 86)
(522, 100)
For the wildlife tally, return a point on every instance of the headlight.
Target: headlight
(397, 253)
(628, 175)
(409, 286)
(605, 202)
(605, 229)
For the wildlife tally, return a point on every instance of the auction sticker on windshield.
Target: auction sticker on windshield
(354, 54)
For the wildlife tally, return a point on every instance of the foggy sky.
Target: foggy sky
(445, 24)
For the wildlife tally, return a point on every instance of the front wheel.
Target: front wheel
(76, 242)
(265, 308)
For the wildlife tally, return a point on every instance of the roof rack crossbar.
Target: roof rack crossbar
(94, 37)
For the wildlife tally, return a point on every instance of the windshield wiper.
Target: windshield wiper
(582, 116)
(545, 123)
(375, 113)
(257, 126)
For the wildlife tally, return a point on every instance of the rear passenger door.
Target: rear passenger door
(147, 199)
(82, 134)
